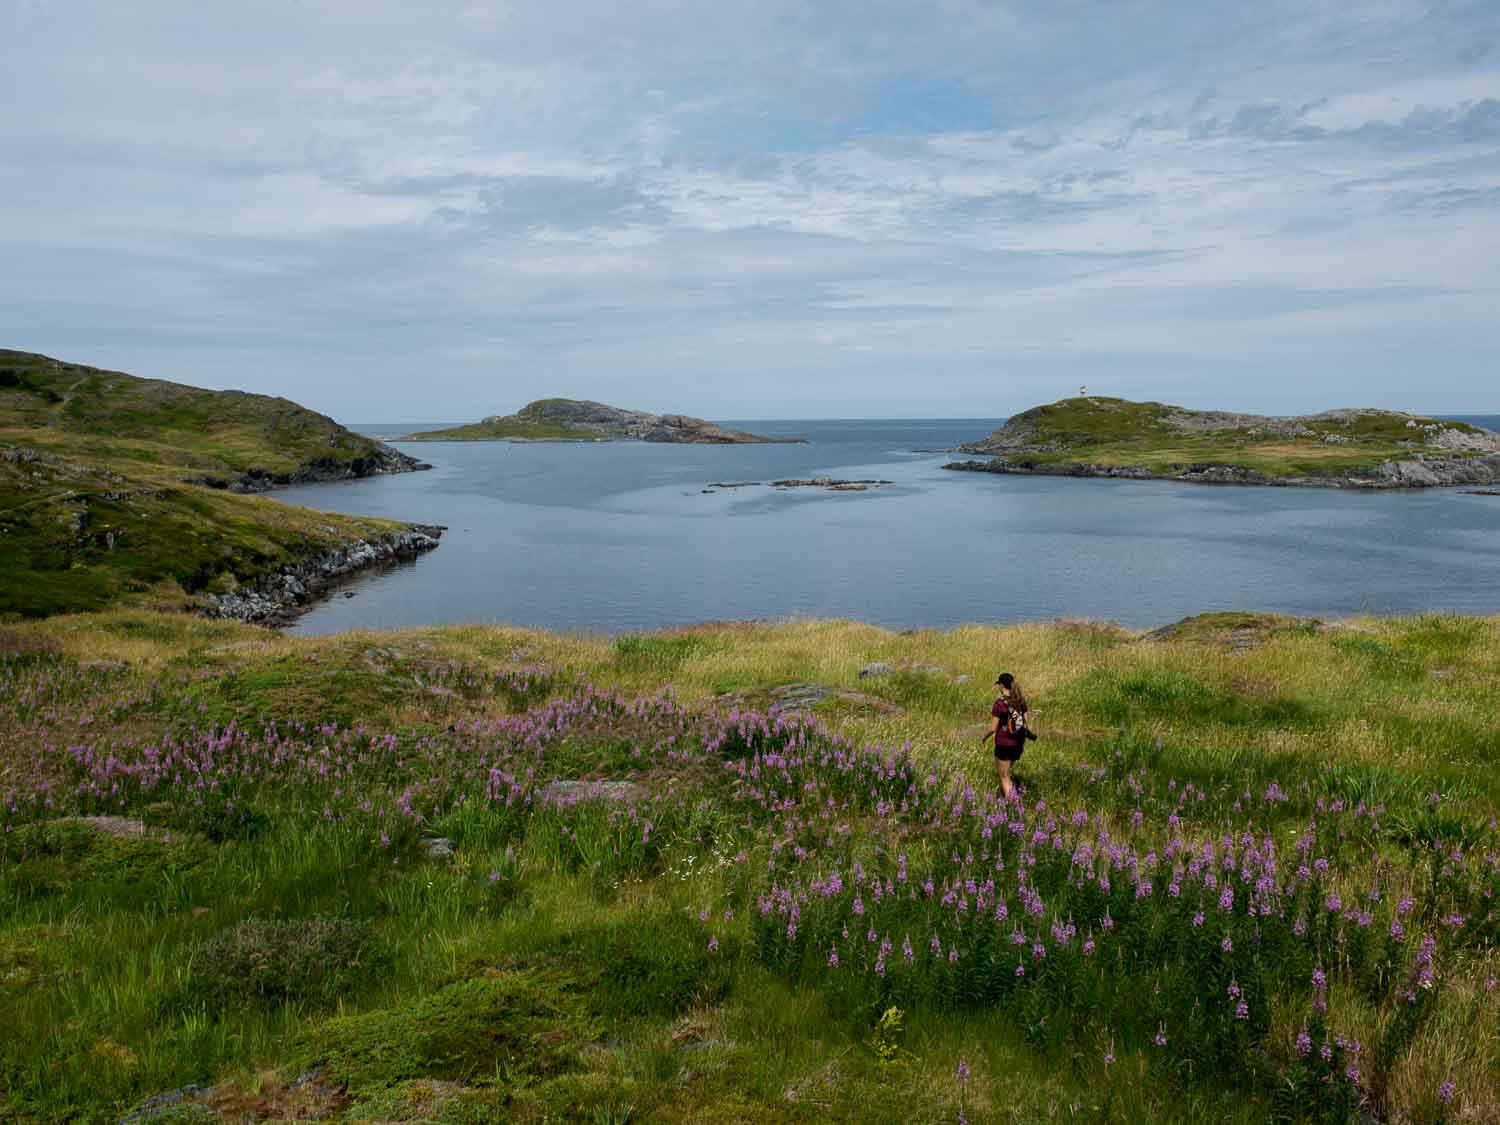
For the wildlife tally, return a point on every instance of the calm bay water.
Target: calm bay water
(612, 537)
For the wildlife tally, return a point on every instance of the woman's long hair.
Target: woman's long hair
(1017, 700)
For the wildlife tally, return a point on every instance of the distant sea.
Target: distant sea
(612, 537)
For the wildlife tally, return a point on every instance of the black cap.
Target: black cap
(1005, 679)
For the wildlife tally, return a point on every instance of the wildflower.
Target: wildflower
(1198, 919)
(1226, 945)
(963, 1069)
(1446, 1091)
(1303, 1044)
(1242, 1010)
(1398, 932)
(1160, 1038)
(1319, 978)
(1020, 969)
(833, 957)
(713, 944)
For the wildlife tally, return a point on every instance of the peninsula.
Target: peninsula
(118, 490)
(1352, 448)
(567, 419)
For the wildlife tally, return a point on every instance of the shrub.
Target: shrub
(264, 961)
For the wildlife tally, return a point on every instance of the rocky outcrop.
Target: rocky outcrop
(278, 598)
(1418, 472)
(380, 462)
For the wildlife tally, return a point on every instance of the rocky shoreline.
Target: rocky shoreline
(280, 597)
(1424, 472)
(382, 462)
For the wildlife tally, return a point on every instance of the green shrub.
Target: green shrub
(306, 959)
(508, 1025)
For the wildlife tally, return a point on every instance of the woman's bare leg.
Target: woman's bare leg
(1006, 786)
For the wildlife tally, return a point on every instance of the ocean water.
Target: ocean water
(613, 537)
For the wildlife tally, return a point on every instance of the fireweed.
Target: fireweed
(1152, 913)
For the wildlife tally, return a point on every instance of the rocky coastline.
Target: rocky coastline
(280, 597)
(382, 462)
(1419, 472)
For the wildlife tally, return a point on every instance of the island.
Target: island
(1349, 448)
(567, 419)
(121, 491)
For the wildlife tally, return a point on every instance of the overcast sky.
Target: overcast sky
(844, 208)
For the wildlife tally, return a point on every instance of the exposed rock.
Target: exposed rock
(277, 598)
(800, 698)
(184, 1101)
(830, 483)
(1427, 472)
(108, 825)
(797, 697)
(436, 847)
(570, 792)
(875, 668)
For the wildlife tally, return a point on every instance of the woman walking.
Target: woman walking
(1007, 728)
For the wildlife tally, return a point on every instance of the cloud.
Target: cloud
(750, 209)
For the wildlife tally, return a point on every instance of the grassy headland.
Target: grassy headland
(566, 419)
(1252, 875)
(114, 487)
(1099, 436)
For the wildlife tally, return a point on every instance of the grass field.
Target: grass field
(1251, 875)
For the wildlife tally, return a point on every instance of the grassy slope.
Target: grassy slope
(520, 981)
(160, 427)
(532, 422)
(510, 427)
(103, 514)
(75, 536)
(1111, 431)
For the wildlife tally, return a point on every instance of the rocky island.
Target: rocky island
(118, 490)
(1352, 448)
(566, 419)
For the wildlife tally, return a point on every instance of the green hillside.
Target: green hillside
(160, 426)
(1158, 439)
(102, 497)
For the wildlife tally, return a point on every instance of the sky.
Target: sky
(758, 209)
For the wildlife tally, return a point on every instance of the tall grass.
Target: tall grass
(672, 904)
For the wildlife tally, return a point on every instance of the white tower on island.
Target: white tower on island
(1083, 391)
